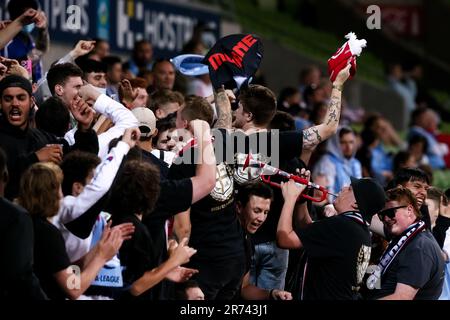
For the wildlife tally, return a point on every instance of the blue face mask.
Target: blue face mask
(28, 28)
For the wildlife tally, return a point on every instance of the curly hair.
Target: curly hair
(136, 189)
(40, 189)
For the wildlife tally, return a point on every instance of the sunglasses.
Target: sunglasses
(390, 213)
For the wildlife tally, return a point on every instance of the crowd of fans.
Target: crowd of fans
(111, 186)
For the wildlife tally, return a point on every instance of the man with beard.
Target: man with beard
(25, 145)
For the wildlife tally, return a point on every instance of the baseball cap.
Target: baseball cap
(146, 119)
(14, 81)
(369, 196)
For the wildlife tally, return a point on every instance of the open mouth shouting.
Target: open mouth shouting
(15, 116)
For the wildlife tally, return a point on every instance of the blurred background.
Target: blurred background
(404, 70)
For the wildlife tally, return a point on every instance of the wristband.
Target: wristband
(337, 87)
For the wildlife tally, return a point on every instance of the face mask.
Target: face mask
(28, 28)
(208, 38)
(101, 90)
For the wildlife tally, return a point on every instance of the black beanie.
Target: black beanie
(15, 81)
(369, 195)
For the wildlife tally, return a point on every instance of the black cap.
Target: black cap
(15, 81)
(369, 196)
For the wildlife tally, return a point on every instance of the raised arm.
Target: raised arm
(43, 37)
(105, 173)
(315, 135)
(13, 28)
(83, 47)
(113, 110)
(205, 175)
(223, 106)
(286, 236)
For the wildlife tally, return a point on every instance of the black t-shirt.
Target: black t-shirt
(20, 147)
(338, 252)
(440, 229)
(280, 149)
(272, 147)
(50, 257)
(215, 230)
(17, 280)
(136, 254)
(420, 265)
(175, 197)
(152, 159)
(249, 251)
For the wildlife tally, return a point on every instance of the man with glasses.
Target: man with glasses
(412, 267)
(416, 181)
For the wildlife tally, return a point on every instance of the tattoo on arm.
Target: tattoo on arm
(332, 116)
(42, 42)
(223, 111)
(334, 110)
(311, 138)
(318, 137)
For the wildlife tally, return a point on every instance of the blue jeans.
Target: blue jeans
(445, 295)
(269, 266)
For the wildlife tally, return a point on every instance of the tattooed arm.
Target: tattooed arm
(223, 105)
(315, 135)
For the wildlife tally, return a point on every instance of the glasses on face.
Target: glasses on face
(390, 213)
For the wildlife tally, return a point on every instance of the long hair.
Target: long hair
(39, 189)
